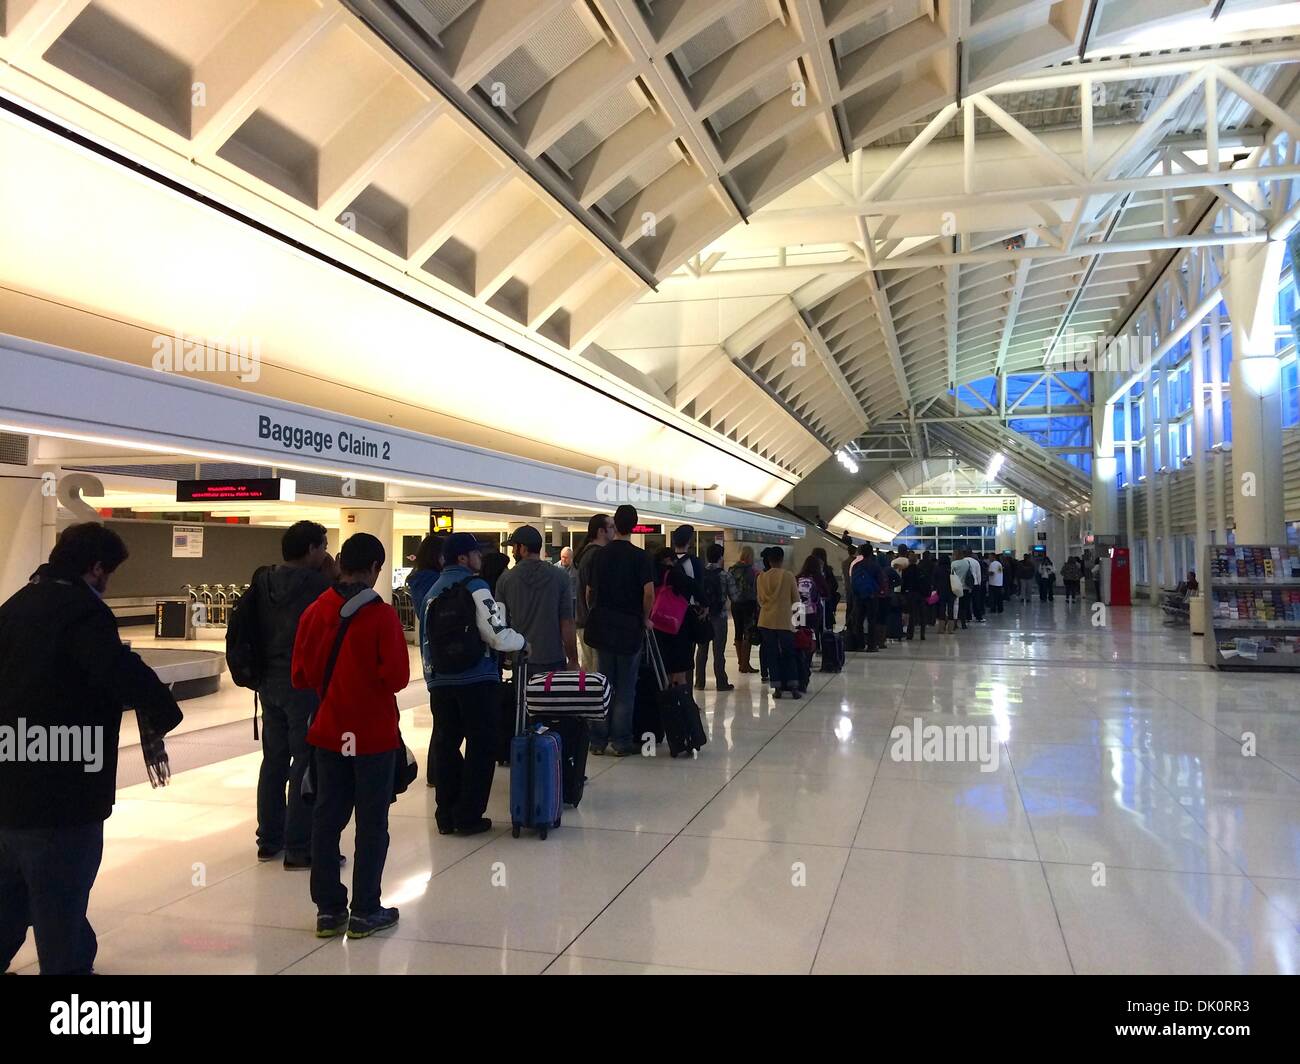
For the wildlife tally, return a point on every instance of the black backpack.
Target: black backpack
(711, 593)
(451, 621)
(746, 587)
(244, 638)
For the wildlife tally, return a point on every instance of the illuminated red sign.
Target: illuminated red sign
(648, 530)
(269, 489)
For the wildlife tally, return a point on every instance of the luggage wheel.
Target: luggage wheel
(514, 832)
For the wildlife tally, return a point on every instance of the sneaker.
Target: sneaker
(726, 687)
(620, 751)
(268, 853)
(598, 751)
(795, 694)
(365, 926)
(331, 925)
(479, 826)
(777, 693)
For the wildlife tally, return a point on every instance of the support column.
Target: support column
(1024, 530)
(1216, 426)
(22, 508)
(1167, 563)
(1149, 465)
(378, 521)
(1105, 465)
(1130, 487)
(1199, 451)
(1259, 515)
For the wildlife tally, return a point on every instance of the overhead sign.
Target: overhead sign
(946, 519)
(441, 522)
(648, 530)
(957, 504)
(52, 389)
(263, 489)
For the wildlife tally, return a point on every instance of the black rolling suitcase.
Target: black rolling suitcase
(646, 718)
(506, 720)
(682, 725)
(832, 650)
(575, 742)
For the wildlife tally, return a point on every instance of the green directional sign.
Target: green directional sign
(926, 505)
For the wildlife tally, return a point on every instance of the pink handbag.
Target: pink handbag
(932, 599)
(669, 611)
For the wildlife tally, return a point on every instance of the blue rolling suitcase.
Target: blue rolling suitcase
(536, 771)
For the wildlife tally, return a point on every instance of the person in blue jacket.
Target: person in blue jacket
(464, 702)
(428, 567)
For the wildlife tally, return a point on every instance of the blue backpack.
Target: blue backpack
(865, 584)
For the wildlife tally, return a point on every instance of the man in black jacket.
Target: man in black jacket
(281, 594)
(65, 678)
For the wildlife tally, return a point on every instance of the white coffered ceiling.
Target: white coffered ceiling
(793, 220)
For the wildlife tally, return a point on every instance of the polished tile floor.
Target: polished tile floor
(1121, 830)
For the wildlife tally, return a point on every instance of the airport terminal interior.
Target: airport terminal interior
(994, 287)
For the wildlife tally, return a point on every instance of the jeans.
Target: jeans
(977, 595)
(467, 714)
(1026, 588)
(620, 670)
(284, 824)
(803, 668)
(541, 668)
(782, 665)
(45, 880)
(1046, 588)
(995, 598)
(360, 784)
(719, 624)
(864, 620)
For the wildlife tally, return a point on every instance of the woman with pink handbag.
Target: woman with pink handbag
(672, 627)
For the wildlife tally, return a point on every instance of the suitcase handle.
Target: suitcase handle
(582, 682)
(656, 661)
(521, 693)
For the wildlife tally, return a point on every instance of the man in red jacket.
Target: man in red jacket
(354, 733)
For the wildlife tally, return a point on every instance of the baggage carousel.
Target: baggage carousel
(192, 673)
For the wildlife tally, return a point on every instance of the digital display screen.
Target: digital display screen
(269, 489)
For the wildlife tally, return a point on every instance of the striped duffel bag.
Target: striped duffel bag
(569, 694)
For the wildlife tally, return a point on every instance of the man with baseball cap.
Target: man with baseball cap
(538, 604)
(464, 626)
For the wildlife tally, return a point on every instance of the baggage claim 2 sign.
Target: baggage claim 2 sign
(314, 441)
